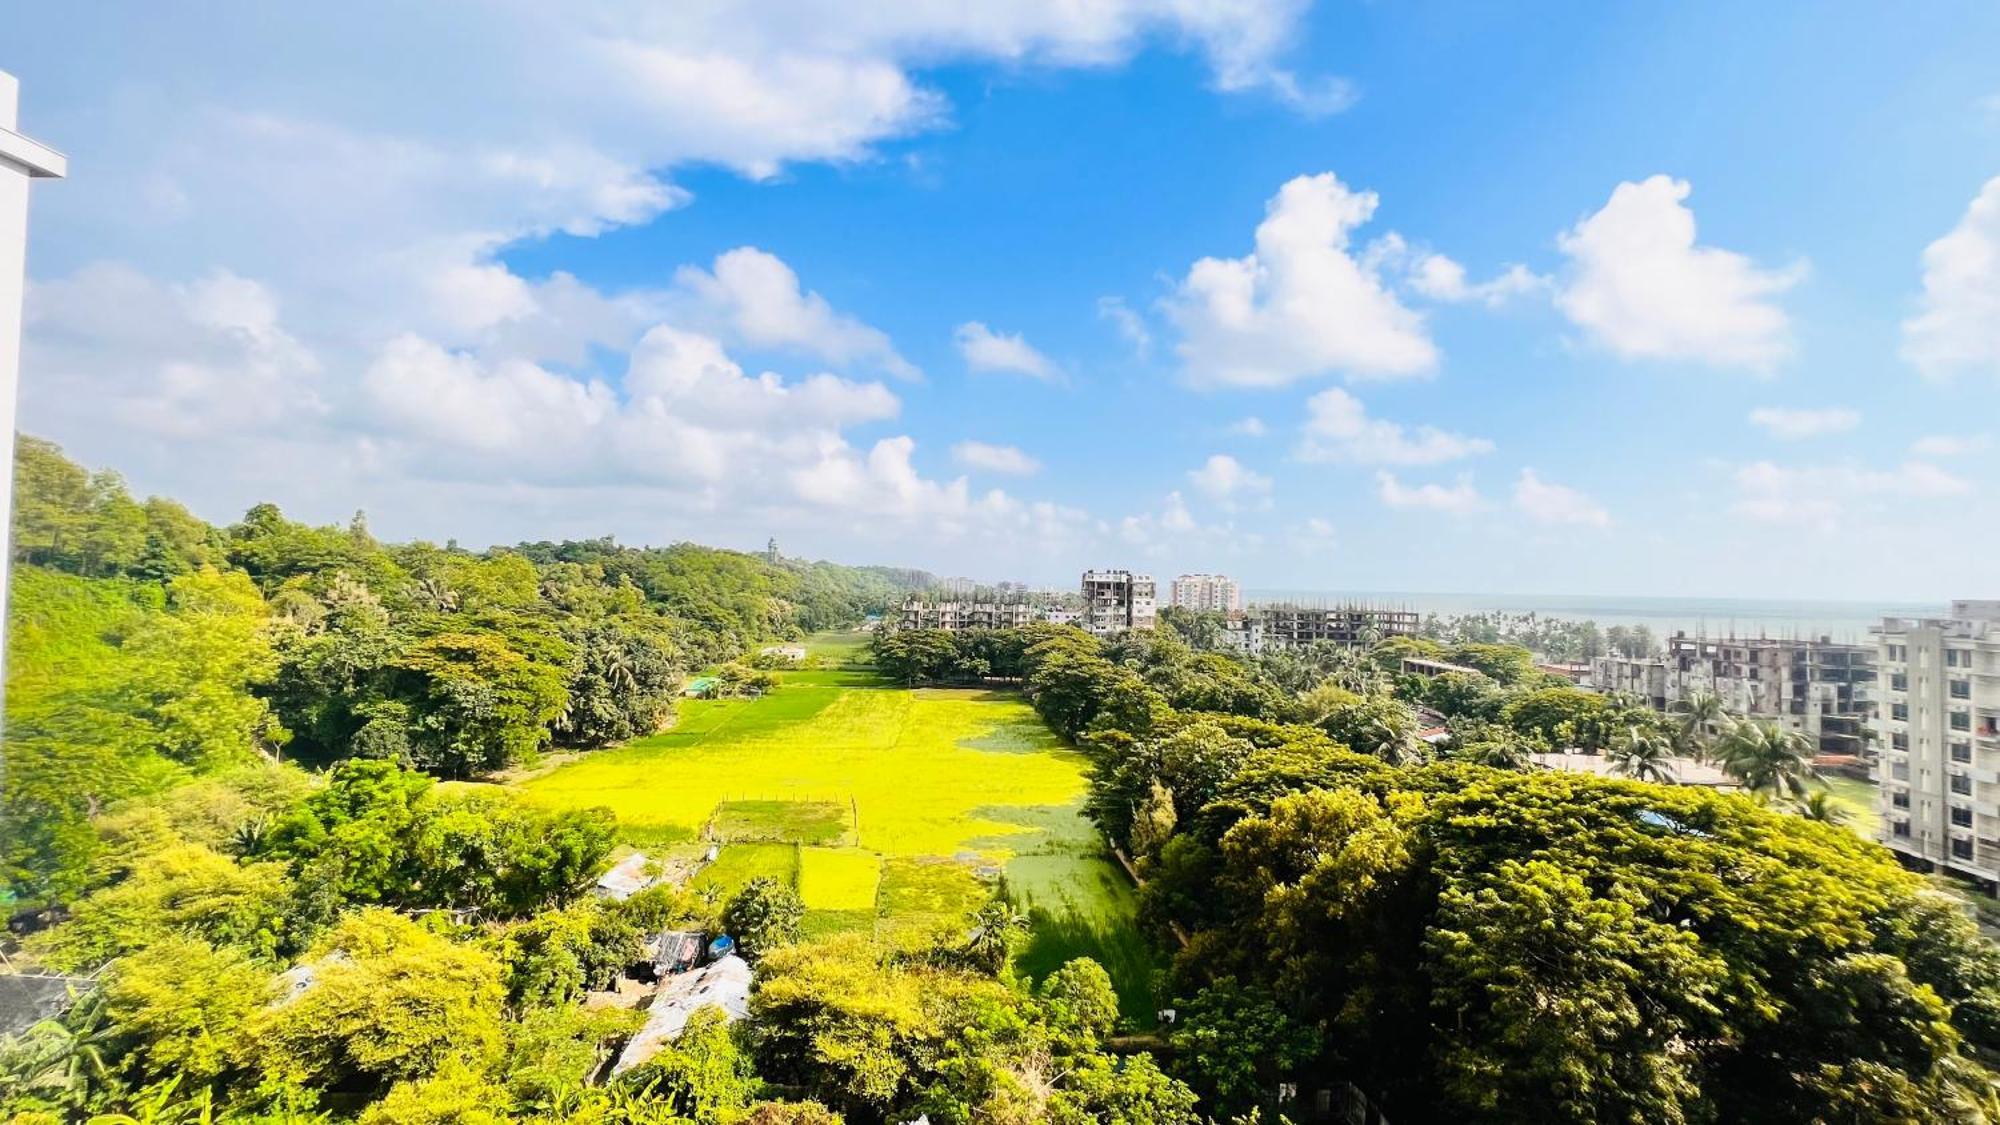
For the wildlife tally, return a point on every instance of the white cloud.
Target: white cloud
(1312, 535)
(1949, 445)
(1302, 304)
(1442, 279)
(1457, 498)
(1550, 503)
(1252, 426)
(990, 351)
(1227, 481)
(1822, 496)
(184, 361)
(1795, 423)
(1338, 428)
(1957, 326)
(1131, 326)
(1639, 285)
(994, 458)
(756, 299)
(376, 217)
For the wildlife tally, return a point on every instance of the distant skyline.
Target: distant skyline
(1697, 301)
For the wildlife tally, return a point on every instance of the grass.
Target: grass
(739, 863)
(935, 794)
(839, 878)
(910, 763)
(1857, 798)
(791, 822)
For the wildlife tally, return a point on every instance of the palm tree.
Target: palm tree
(1767, 760)
(1821, 807)
(1642, 755)
(996, 927)
(1702, 720)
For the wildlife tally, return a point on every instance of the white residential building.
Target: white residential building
(1817, 687)
(21, 160)
(1117, 600)
(1207, 593)
(1938, 727)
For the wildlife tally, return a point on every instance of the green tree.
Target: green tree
(1643, 755)
(1767, 760)
(764, 915)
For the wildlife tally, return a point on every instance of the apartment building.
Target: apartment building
(954, 615)
(1207, 593)
(1117, 600)
(1817, 687)
(1283, 625)
(1938, 727)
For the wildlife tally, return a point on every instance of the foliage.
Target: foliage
(181, 889)
(764, 915)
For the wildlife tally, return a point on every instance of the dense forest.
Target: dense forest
(1462, 939)
(234, 807)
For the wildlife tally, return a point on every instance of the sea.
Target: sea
(1847, 621)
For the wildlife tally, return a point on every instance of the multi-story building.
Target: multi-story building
(1937, 720)
(1282, 625)
(1816, 687)
(954, 615)
(1207, 593)
(1117, 600)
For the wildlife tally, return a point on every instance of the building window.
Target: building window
(1961, 785)
(1961, 689)
(1899, 682)
(1960, 817)
(1899, 740)
(1901, 828)
(1899, 652)
(1961, 849)
(1899, 800)
(1961, 751)
(1900, 712)
(1953, 658)
(1961, 720)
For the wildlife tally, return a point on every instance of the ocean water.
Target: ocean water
(1742, 617)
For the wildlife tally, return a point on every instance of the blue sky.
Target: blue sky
(493, 273)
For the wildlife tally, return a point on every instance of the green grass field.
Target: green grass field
(929, 793)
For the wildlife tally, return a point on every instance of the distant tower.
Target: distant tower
(771, 550)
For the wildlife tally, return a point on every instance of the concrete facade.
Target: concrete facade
(1816, 687)
(1268, 628)
(1207, 593)
(1937, 724)
(1115, 601)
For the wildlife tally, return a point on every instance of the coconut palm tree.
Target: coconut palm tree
(1703, 720)
(1643, 755)
(1820, 806)
(1767, 760)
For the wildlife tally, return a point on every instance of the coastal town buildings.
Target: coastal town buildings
(1207, 593)
(1283, 625)
(1115, 601)
(1937, 724)
(1817, 687)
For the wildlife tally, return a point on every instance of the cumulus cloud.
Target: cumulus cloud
(1795, 423)
(183, 360)
(376, 219)
(755, 299)
(1441, 279)
(1640, 285)
(1956, 328)
(1229, 482)
(1338, 428)
(1302, 304)
(1312, 535)
(1823, 496)
(1457, 498)
(985, 350)
(995, 458)
(1550, 503)
(1252, 426)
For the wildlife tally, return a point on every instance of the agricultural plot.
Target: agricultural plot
(891, 810)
